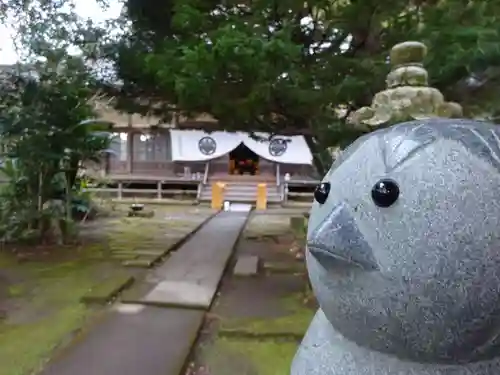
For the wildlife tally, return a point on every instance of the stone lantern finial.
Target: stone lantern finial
(408, 95)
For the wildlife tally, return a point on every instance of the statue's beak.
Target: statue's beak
(337, 238)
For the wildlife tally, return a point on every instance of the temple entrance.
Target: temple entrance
(242, 160)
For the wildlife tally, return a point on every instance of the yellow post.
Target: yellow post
(261, 197)
(218, 195)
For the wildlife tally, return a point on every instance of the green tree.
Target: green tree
(283, 67)
(293, 66)
(47, 134)
(46, 103)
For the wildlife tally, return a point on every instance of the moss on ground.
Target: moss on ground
(16, 290)
(48, 311)
(45, 298)
(108, 289)
(285, 267)
(130, 234)
(24, 347)
(43, 307)
(294, 323)
(263, 225)
(229, 356)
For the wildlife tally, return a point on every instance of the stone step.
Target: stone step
(232, 183)
(253, 188)
(253, 197)
(243, 186)
(246, 265)
(242, 178)
(245, 200)
(240, 192)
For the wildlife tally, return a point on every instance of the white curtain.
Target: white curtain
(186, 144)
(296, 150)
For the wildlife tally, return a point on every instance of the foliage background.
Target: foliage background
(284, 67)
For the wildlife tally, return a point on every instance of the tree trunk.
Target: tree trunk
(40, 192)
(73, 171)
(319, 156)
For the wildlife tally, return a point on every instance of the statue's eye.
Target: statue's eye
(385, 193)
(321, 192)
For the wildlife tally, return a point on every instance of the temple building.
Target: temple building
(165, 160)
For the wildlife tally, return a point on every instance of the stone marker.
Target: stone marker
(137, 210)
(403, 255)
(246, 265)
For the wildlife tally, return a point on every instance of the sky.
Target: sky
(85, 8)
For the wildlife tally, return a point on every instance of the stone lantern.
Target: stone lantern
(408, 95)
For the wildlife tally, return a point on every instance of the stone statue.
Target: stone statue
(404, 254)
(408, 95)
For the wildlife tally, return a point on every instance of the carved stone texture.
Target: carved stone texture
(408, 95)
(403, 254)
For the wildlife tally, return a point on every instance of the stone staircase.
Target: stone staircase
(241, 188)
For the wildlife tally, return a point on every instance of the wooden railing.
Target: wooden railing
(158, 193)
(207, 169)
(203, 182)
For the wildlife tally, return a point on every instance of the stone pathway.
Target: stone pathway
(132, 340)
(256, 322)
(191, 276)
(150, 340)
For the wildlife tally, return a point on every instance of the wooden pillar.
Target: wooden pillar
(261, 197)
(130, 151)
(158, 192)
(130, 147)
(104, 167)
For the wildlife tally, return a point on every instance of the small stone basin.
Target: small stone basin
(137, 207)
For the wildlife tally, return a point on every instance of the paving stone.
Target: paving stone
(246, 265)
(132, 340)
(192, 274)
